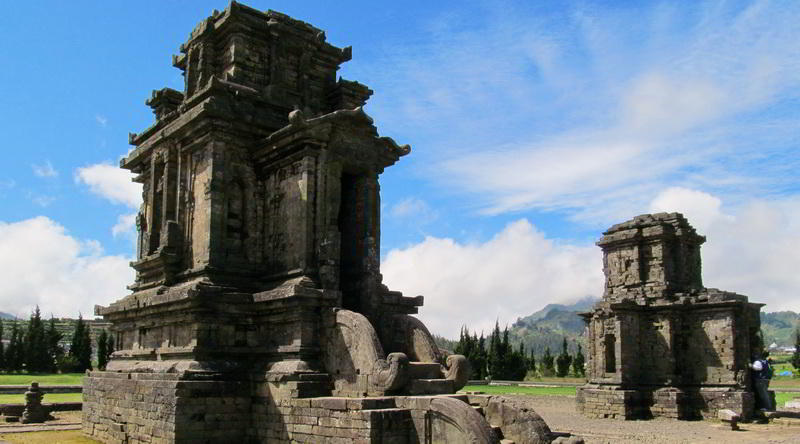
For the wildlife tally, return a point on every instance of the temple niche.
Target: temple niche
(258, 313)
(659, 343)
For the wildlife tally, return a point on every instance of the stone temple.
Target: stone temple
(659, 343)
(258, 313)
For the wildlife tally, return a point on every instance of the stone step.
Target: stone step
(424, 370)
(429, 387)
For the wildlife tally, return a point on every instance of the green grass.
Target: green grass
(60, 437)
(782, 397)
(48, 397)
(516, 390)
(41, 378)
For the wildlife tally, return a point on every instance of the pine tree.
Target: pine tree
(109, 347)
(578, 363)
(81, 347)
(102, 343)
(54, 350)
(563, 360)
(481, 356)
(12, 355)
(546, 367)
(532, 362)
(2, 348)
(35, 344)
(495, 357)
(796, 355)
(85, 357)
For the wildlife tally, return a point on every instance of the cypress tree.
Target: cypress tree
(102, 356)
(35, 344)
(2, 348)
(563, 361)
(81, 347)
(532, 362)
(796, 354)
(85, 357)
(109, 347)
(54, 350)
(496, 355)
(546, 367)
(578, 363)
(12, 355)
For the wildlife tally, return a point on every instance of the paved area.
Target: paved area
(559, 413)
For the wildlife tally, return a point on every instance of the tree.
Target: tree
(54, 350)
(578, 363)
(13, 354)
(532, 362)
(563, 360)
(546, 368)
(2, 348)
(109, 347)
(81, 347)
(36, 344)
(102, 344)
(796, 355)
(495, 359)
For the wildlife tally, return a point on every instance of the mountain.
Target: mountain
(779, 327)
(6, 316)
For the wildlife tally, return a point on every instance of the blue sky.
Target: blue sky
(533, 125)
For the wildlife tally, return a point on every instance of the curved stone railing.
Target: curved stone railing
(354, 358)
(452, 420)
(457, 370)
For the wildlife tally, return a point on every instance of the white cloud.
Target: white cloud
(112, 183)
(513, 274)
(44, 265)
(592, 111)
(702, 209)
(45, 170)
(43, 201)
(752, 248)
(125, 225)
(101, 120)
(413, 209)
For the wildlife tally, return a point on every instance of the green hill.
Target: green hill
(779, 327)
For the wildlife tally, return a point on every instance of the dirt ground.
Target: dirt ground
(560, 414)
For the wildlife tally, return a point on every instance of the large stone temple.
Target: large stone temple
(258, 312)
(659, 343)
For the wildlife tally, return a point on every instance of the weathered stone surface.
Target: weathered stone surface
(34, 410)
(258, 313)
(661, 344)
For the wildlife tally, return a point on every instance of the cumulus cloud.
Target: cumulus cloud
(60, 273)
(112, 183)
(125, 224)
(513, 274)
(752, 248)
(45, 170)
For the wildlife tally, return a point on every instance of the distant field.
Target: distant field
(42, 379)
(48, 397)
(515, 390)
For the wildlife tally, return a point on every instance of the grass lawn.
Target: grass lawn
(65, 437)
(511, 389)
(41, 378)
(48, 397)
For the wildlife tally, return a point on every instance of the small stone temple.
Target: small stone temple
(659, 343)
(258, 313)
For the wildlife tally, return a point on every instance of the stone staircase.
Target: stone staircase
(425, 378)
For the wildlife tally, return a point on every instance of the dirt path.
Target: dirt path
(559, 413)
